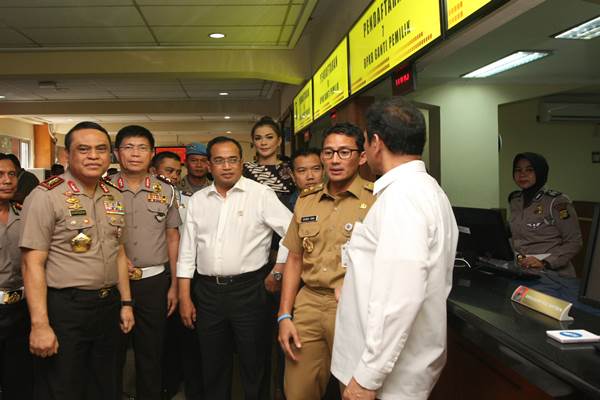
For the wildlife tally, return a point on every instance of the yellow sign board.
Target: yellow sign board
(458, 10)
(330, 82)
(388, 33)
(303, 108)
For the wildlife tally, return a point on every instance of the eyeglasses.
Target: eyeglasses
(221, 160)
(342, 153)
(142, 148)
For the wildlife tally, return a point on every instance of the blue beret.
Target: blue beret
(196, 148)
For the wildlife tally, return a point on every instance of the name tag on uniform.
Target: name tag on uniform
(310, 218)
(74, 213)
(345, 259)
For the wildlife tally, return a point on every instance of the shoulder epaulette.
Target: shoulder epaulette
(514, 195)
(17, 207)
(188, 194)
(553, 193)
(51, 183)
(110, 183)
(369, 186)
(164, 179)
(311, 190)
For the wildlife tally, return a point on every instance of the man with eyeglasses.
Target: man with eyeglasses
(323, 221)
(73, 262)
(225, 243)
(152, 240)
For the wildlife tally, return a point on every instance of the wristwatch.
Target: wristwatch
(277, 275)
(127, 303)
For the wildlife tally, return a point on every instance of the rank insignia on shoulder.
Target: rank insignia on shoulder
(553, 193)
(514, 195)
(188, 194)
(311, 190)
(310, 218)
(108, 182)
(17, 207)
(164, 179)
(369, 186)
(52, 182)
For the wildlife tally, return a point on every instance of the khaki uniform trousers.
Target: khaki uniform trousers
(314, 318)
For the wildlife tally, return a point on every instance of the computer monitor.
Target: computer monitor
(482, 233)
(589, 291)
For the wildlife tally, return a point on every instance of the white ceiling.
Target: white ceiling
(26, 24)
(574, 62)
(139, 118)
(134, 89)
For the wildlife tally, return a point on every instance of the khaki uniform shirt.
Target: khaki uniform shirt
(150, 211)
(57, 211)
(322, 223)
(548, 225)
(10, 254)
(185, 186)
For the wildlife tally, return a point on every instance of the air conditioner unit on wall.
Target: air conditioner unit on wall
(569, 112)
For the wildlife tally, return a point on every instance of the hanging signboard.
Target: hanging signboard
(459, 10)
(330, 82)
(389, 32)
(303, 111)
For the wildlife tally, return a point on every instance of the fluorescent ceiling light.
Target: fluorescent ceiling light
(509, 62)
(2, 97)
(216, 35)
(227, 117)
(224, 94)
(586, 31)
(228, 132)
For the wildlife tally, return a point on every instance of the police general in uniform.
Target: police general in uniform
(544, 225)
(73, 261)
(152, 241)
(323, 221)
(15, 360)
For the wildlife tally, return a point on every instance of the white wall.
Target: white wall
(566, 146)
(469, 136)
(18, 129)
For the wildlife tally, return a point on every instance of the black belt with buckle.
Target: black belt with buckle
(234, 279)
(12, 296)
(87, 294)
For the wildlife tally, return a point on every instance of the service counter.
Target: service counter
(498, 349)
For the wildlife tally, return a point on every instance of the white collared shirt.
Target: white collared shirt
(390, 332)
(231, 235)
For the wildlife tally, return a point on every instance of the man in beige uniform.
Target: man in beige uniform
(16, 373)
(151, 246)
(73, 260)
(323, 221)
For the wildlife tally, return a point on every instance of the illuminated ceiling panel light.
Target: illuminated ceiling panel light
(586, 31)
(2, 97)
(216, 35)
(227, 117)
(509, 62)
(224, 94)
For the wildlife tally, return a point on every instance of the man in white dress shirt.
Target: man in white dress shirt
(226, 242)
(390, 336)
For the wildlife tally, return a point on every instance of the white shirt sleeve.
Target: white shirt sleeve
(277, 217)
(186, 260)
(397, 289)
